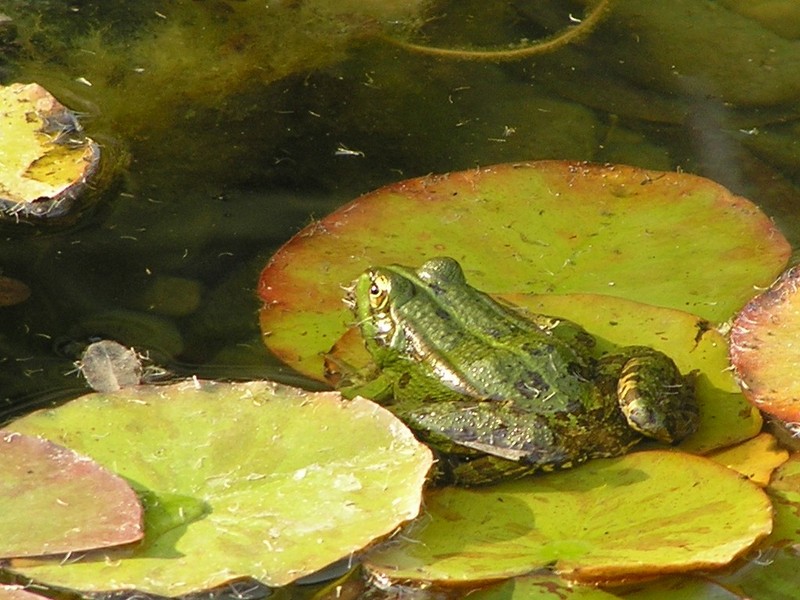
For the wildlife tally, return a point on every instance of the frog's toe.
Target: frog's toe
(656, 399)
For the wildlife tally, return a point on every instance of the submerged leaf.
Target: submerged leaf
(60, 501)
(667, 239)
(765, 350)
(251, 479)
(647, 513)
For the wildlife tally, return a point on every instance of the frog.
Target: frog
(498, 392)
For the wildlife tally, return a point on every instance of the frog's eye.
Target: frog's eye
(379, 292)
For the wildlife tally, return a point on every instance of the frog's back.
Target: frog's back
(494, 358)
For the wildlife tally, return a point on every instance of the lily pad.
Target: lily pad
(647, 513)
(45, 160)
(756, 459)
(541, 587)
(62, 501)
(667, 239)
(771, 568)
(550, 587)
(247, 479)
(765, 350)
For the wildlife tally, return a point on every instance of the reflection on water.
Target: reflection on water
(245, 120)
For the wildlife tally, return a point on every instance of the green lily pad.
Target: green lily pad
(765, 350)
(755, 459)
(647, 513)
(550, 587)
(247, 479)
(541, 587)
(770, 570)
(62, 501)
(667, 239)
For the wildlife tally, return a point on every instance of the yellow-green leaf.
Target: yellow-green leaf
(667, 239)
(45, 161)
(246, 479)
(647, 513)
(756, 459)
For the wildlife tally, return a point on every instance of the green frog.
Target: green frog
(499, 393)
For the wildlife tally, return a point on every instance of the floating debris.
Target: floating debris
(109, 366)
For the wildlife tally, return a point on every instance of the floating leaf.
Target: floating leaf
(540, 587)
(250, 479)
(646, 513)
(45, 161)
(756, 459)
(765, 350)
(550, 587)
(61, 501)
(771, 569)
(667, 239)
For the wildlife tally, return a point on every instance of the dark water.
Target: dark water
(244, 121)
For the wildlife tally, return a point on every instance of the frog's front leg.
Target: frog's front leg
(655, 398)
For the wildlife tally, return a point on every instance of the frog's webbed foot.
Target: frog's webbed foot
(655, 398)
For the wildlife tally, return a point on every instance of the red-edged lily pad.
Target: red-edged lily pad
(765, 348)
(667, 239)
(60, 501)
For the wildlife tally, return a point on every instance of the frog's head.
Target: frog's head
(374, 299)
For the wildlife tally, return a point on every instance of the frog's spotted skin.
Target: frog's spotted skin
(500, 393)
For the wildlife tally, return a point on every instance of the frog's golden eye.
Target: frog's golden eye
(379, 292)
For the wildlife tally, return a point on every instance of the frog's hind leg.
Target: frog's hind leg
(655, 398)
(483, 442)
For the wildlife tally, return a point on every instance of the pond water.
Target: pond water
(243, 121)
